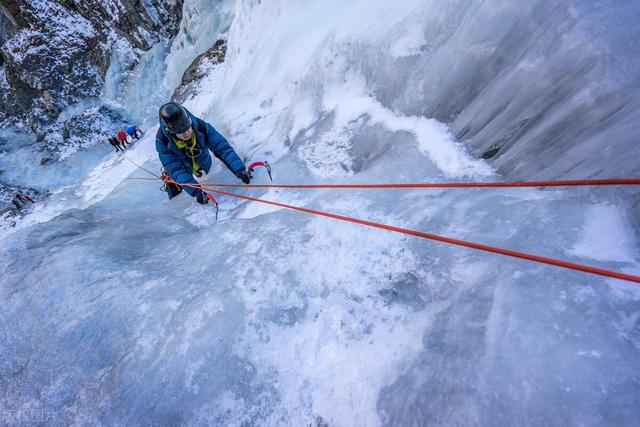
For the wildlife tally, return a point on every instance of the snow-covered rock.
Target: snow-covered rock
(122, 307)
(61, 50)
(199, 68)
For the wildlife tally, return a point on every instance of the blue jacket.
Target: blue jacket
(131, 130)
(178, 165)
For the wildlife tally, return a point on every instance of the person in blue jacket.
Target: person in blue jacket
(183, 143)
(134, 132)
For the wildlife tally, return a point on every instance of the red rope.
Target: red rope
(561, 183)
(487, 248)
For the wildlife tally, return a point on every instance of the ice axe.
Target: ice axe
(213, 200)
(265, 164)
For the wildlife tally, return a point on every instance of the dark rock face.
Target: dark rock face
(57, 53)
(198, 69)
(142, 23)
(56, 61)
(7, 29)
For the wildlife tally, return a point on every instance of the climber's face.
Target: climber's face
(186, 135)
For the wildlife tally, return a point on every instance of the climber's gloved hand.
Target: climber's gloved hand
(244, 176)
(201, 197)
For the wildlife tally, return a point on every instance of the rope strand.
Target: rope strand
(494, 184)
(487, 248)
(140, 167)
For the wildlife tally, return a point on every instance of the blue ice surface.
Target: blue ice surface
(21, 156)
(142, 310)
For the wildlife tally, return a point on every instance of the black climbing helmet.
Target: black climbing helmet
(174, 118)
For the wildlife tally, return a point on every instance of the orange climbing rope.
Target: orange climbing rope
(495, 184)
(487, 248)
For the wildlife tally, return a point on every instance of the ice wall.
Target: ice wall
(552, 84)
(139, 86)
(122, 307)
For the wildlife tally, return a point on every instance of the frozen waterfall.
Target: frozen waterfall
(119, 306)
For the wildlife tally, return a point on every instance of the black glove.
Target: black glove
(201, 197)
(243, 174)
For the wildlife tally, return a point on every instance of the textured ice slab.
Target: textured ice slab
(119, 306)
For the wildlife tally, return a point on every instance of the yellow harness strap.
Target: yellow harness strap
(189, 149)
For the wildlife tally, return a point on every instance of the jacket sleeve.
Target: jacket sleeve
(173, 165)
(223, 151)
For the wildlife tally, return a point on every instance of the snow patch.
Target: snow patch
(606, 236)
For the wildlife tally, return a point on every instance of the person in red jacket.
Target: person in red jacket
(122, 137)
(19, 200)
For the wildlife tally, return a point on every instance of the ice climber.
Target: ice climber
(115, 143)
(19, 200)
(134, 132)
(122, 137)
(183, 143)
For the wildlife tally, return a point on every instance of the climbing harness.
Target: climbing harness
(169, 187)
(169, 184)
(173, 188)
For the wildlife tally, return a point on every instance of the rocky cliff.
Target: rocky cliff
(56, 53)
(198, 69)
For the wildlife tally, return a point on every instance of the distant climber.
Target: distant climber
(115, 143)
(122, 137)
(134, 132)
(183, 142)
(19, 200)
